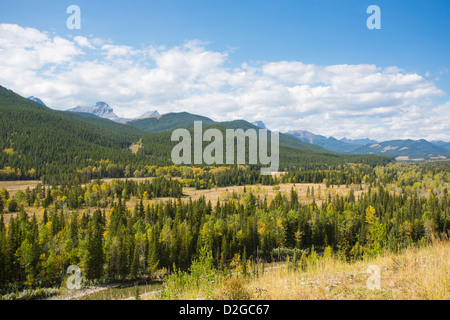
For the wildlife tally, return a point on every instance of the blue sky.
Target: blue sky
(252, 37)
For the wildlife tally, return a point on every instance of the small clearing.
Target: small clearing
(134, 148)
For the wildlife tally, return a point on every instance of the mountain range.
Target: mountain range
(153, 122)
(402, 149)
(103, 110)
(38, 142)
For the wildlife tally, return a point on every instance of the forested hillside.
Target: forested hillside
(294, 154)
(37, 142)
(40, 143)
(169, 121)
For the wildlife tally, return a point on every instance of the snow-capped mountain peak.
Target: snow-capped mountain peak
(37, 100)
(103, 110)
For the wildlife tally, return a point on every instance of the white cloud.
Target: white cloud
(28, 49)
(361, 100)
(83, 42)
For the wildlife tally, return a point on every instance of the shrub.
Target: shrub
(233, 288)
(30, 294)
(202, 279)
(12, 205)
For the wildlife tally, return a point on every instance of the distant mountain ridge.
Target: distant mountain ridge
(358, 141)
(103, 110)
(402, 149)
(446, 146)
(148, 114)
(175, 120)
(152, 121)
(260, 124)
(330, 143)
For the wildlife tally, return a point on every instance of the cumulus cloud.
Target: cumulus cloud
(355, 101)
(29, 49)
(83, 42)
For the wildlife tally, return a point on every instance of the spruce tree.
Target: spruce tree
(95, 256)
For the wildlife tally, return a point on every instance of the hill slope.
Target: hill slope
(172, 121)
(293, 153)
(331, 143)
(400, 148)
(169, 121)
(446, 147)
(40, 140)
(105, 124)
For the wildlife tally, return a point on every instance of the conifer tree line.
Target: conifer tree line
(95, 194)
(112, 241)
(76, 195)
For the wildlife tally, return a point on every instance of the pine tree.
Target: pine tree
(244, 262)
(45, 217)
(3, 278)
(135, 263)
(95, 257)
(153, 252)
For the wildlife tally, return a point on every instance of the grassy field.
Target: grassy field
(14, 186)
(321, 192)
(415, 274)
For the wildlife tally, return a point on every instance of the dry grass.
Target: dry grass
(14, 186)
(224, 193)
(134, 148)
(270, 191)
(320, 190)
(212, 194)
(416, 274)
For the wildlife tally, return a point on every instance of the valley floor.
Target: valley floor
(318, 191)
